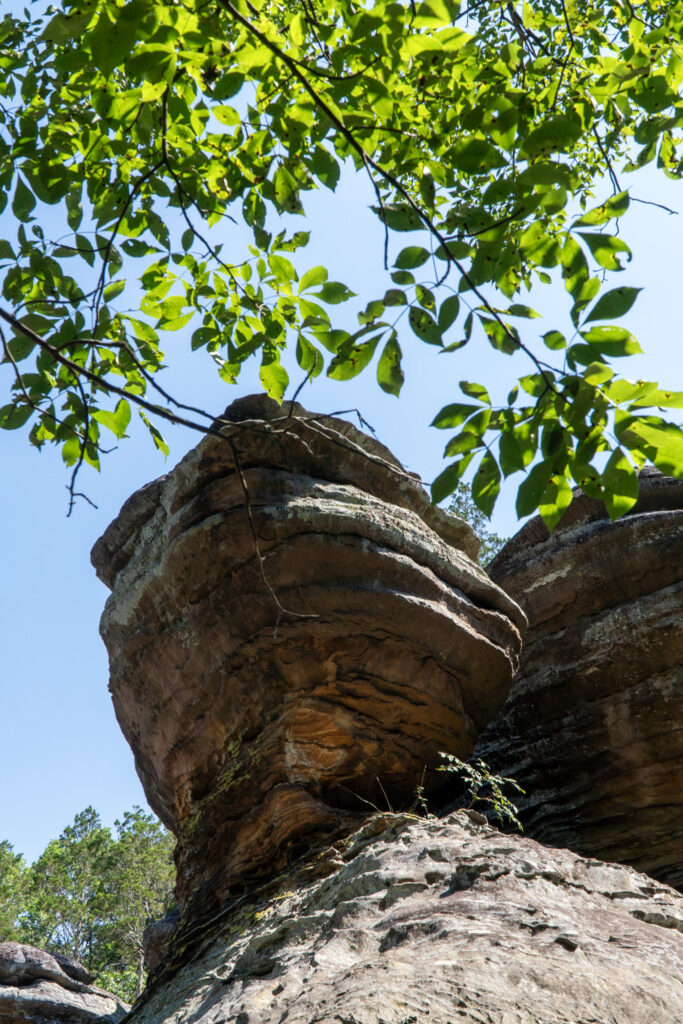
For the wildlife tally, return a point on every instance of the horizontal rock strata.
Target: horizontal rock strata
(593, 727)
(40, 988)
(441, 921)
(294, 634)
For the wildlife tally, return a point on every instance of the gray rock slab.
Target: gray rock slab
(446, 921)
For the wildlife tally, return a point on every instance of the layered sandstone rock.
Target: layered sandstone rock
(40, 988)
(443, 921)
(294, 634)
(593, 728)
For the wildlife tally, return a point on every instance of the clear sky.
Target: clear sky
(61, 747)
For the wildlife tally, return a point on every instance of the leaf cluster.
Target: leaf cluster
(483, 787)
(154, 128)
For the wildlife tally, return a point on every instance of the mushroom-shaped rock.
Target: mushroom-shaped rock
(40, 988)
(593, 726)
(294, 634)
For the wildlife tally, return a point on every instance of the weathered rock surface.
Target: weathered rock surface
(39, 988)
(157, 937)
(593, 727)
(271, 690)
(446, 921)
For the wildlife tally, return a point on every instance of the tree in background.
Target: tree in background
(463, 505)
(90, 895)
(486, 130)
(12, 874)
(68, 902)
(141, 882)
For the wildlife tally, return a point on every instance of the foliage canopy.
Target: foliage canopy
(485, 128)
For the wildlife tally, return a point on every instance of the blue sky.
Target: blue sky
(61, 747)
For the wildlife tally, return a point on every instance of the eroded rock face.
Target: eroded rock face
(39, 988)
(276, 690)
(593, 727)
(440, 921)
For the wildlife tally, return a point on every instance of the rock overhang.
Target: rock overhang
(295, 632)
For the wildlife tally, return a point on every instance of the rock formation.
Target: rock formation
(592, 728)
(410, 920)
(41, 988)
(294, 634)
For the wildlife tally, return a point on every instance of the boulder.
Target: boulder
(40, 988)
(593, 727)
(156, 938)
(294, 635)
(412, 920)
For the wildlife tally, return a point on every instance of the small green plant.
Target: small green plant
(483, 787)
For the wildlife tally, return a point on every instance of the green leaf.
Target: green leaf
(334, 292)
(308, 357)
(613, 304)
(615, 206)
(412, 256)
(557, 134)
(389, 373)
(486, 484)
(403, 277)
(554, 340)
(556, 499)
(447, 481)
(394, 297)
(112, 290)
(475, 156)
(511, 460)
(424, 326)
(661, 442)
(325, 167)
(23, 202)
(155, 433)
(597, 373)
(274, 378)
(517, 309)
(474, 390)
(605, 249)
(20, 347)
(155, 62)
(14, 416)
(312, 277)
(226, 115)
(448, 312)
(501, 336)
(532, 489)
(620, 485)
(611, 341)
(453, 415)
(116, 421)
(352, 358)
(399, 216)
